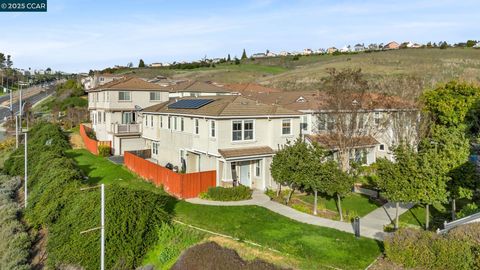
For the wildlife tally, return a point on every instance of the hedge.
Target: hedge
(415, 248)
(56, 203)
(237, 193)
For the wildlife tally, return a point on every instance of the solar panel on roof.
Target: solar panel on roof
(189, 103)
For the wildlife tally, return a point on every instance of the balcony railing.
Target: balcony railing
(125, 128)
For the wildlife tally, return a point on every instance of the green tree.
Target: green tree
(237, 61)
(335, 183)
(2, 60)
(244, 55)
(288, 165)
(141, 64)
(314, 171)
(471, 43)
(228, 58)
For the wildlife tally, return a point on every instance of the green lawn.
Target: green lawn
(102, 170)
(316, 247)
(416, 216)
(359, 204)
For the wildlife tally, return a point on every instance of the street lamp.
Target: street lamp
(102, 224)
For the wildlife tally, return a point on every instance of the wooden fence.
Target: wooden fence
(91, 144)
(183, 186)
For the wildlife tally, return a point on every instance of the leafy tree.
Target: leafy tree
(443, 45)
(288, 165)
(2, 60)
(314, 171)
(471, 43)
(141, 64)
(244, 55)
(9, 62)
(237, 61)
(228, 58)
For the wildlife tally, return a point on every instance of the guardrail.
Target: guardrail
(447, 226)
(125, 128)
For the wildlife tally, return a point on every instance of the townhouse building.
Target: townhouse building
(233, 135)
(114, 107)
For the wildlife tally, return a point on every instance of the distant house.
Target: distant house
(320, 51)
(391, 46)
(476, 46)
(307, 52)
(413, 45)
(345, 49)
(271, 54)
(332, 50)
(259, 55)
(373, 47)
(156, 65)
(359, 47)
(284, 53)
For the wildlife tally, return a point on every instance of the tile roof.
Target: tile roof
(196, 86)
(331, 141)
(246, 152)
(318, 100)
(224, 106)
(130, 83)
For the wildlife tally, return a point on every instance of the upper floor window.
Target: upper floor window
(155, 148)
(376, 118)
(242, 130)
(155, 96)
(151, 120)
(175, 123)
(124, 96)
(107, 96)
(258, 168)
(213, 131)
(182, 124)
(197, 128)
(169, 122)
(304, 124)
(161, 121)
(127, 118)
(286, 127)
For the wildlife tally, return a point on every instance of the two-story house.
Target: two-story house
(233, 135)
(382, 121)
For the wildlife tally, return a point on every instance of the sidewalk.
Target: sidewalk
(384, 215)
(371, 225)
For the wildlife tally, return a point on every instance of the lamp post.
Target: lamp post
(26, 170)
(102, 224)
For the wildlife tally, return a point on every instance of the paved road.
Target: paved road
(4, 112)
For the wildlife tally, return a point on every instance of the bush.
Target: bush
(227, 194)
(104, 150)
(414, 248)
(57, 204)
(468, 209)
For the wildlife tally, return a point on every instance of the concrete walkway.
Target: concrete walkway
(384, 215)
(371, 225)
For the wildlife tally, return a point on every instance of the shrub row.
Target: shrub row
(15, 241)
(413, 248)
(132, 217)
(237, 193)
(104, 150)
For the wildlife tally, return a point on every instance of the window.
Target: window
(161, 121)
(322, 122)
(169, 123)
(197, 128)
(124, 96)
(175, 123)
(242, 130)
(286, 127)
(330, 123)
(151, 120)
(376, 118)
(99, 117)
(236, 130)
(257, 168)
(127, 118)
(381, 147)
(182, 124)
(107, 96)
(212, 129)
(358, 156)
(154, 96)
(155, 148)
(145, 120)
(104, 117)
(304, 124)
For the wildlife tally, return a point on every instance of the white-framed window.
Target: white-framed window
(175, 123)
(197, 126)
(127, 118)
(286, 126)
(155, 148)
(145, 120)
(381, 147)
(151, 120)
(376, 118)
(258, 168)
(107, 97)
(161, 121)
(322, 121)
(304, 124)
(182, 124)
(104, 117)
(169, 122)
(99, 117)
(155, 96)
(213, 131)
(124, 96)
(242, 130)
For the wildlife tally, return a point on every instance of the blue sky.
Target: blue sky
(78, 35)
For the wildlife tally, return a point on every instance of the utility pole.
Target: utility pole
(102, 224)
(26, 170)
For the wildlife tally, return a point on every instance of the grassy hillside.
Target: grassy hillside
(388, 71)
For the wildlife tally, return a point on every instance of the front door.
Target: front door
(245, 174)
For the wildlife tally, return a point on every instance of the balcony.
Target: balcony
(125, 128)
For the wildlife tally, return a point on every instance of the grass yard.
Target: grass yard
(355, 204)
(102, 170)
(315, 247)
(416, 216)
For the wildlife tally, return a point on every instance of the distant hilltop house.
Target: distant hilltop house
(271, 54)
(359, 47)
(156, 65)
(477, 45)
(259, 55)
(284, 53)
(332, 50)
(391, 46)
(97, 80)
(307, 52)
(413, 45)
(345, 49)
(320, 51)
